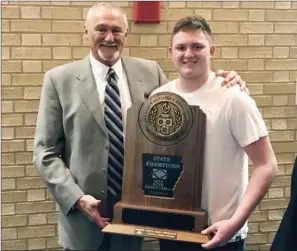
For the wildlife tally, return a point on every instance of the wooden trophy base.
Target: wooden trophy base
(160, 223)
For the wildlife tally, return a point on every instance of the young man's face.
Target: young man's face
(106, 31)
(191, 52)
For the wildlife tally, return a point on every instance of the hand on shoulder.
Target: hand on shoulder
(232, 78)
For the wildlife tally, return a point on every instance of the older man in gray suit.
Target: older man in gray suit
(78, 148)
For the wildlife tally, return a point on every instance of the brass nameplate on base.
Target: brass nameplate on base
(150, 232)
(168, 234)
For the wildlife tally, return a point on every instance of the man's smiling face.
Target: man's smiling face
(106, 30)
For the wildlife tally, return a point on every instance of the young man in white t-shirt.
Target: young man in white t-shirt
(235, 131)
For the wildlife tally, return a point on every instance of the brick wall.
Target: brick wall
(258, 39)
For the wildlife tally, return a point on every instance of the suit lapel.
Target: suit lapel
(88, 92)
(134, 78)
(86, 87)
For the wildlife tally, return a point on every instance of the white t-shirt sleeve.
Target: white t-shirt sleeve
(246, 122)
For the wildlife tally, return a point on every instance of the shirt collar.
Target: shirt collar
(101, 70)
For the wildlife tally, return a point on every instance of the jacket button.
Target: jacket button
(106, 147)
(103, 192)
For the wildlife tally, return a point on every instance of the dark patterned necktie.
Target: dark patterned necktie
(114, 124)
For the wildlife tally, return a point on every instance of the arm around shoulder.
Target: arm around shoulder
(48, 148)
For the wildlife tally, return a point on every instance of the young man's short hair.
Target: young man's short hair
(192, 23)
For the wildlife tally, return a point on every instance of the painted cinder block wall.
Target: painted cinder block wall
(257, 39)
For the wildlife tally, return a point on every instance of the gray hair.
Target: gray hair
(105, 5)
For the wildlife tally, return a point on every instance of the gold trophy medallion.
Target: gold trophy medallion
(166, 119)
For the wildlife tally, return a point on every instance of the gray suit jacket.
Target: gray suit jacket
(71, 142)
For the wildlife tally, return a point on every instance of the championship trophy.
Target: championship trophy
(163, 165)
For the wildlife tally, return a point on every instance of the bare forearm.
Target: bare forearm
(259, 184)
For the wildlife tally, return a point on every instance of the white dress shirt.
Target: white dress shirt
(100, 74)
